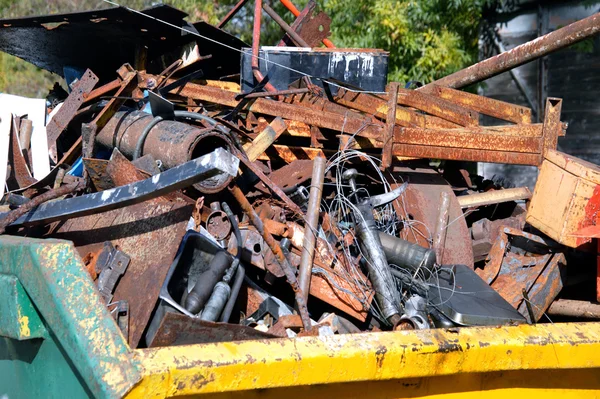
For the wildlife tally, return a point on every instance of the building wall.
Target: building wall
(573, 75)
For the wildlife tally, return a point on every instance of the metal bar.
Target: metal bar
(311, 225)
(290, 6)
(542, 78)
(269, 183)
(209, 165)
(441, 227)
(494, 197)
(275, 93)
(283, 262)
(68, 110)
(388, 131)
(522, 54)
(438, 107)
(552, 125)
(571, 308)
(12, 216)
(287, 29)
(484, 105)
(231, 13)
(379, 107)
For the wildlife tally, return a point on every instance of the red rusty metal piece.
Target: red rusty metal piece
(178, 329)
(299, 41)
(137, 230)
(438, 107)
(420, 209)
(312, 28)
(536, 270)
(295, 173)
(19, 171)
(270, 241)
(273, 187)
(102, 91)
(259, 94)
(68, 109)
(218, 225)
(522, 54)
(484, 105)
(485, 232)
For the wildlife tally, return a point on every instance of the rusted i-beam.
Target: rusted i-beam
(283, 262)
(544, 45)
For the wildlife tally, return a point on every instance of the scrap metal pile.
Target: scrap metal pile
(217, 191)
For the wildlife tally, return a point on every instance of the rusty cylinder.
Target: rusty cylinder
(171, 142)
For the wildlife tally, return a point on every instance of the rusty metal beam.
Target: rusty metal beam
(484, 105)
(522, 54)
(378, 106)
(388, 132)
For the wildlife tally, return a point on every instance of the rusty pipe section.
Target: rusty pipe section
(543, 45)
(276, 249)
(256, 46)
(572, 308)
(312, 224)
(171, 142)
(441, 227)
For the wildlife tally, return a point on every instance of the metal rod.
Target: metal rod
(312, 224)
(209, 165)
(494, 197)
(231, 13)
(522, 54)
(571, 308)
(441, 227)
(256, 46)
(14, 215)
(301, 90)
(288, 29)
(279, 256)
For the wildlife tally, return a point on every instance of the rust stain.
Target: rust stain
(590, 215)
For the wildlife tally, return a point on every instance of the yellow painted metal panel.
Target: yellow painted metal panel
(331, 363)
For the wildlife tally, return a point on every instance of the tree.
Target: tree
(427, 39)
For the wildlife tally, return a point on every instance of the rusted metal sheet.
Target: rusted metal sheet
(137, 230)
(522, 54)
(19, 171)
(533, 269)
(421, 205)
(312, 28)
(438, 107)
(97, 172)
(178, 329)
(484, 105)
(68, 109)
(295, 173)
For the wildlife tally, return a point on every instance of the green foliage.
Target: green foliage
(427, 39)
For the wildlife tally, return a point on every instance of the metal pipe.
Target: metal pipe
(402, 253)
(283, 262)
(494, 197)
(216, 302)
(256, 46)
(231, 13)
(441, 227)
(287, 29)
(199, 295)
(544, 45)
(312, 224)
(571, 308)
(142, 139)
(240, 272)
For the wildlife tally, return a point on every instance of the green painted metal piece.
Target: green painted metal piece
(18, 318)
(63, 293)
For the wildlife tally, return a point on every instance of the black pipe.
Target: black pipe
(199, 295)
(402, 253)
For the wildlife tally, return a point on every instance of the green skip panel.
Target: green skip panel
(82, 352)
